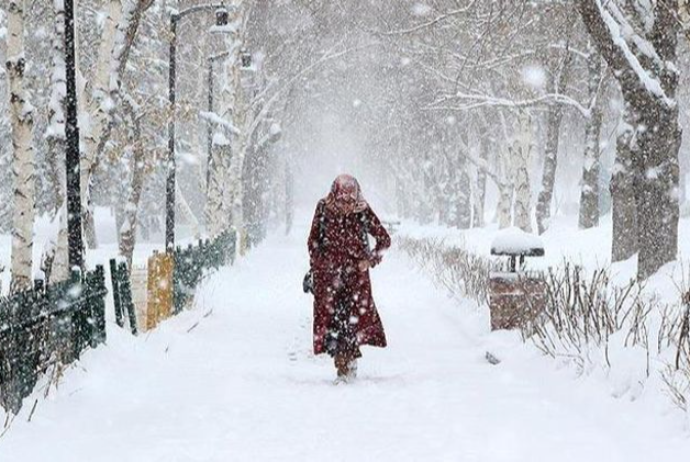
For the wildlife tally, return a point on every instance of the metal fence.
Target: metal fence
(53, 325)
(122, 295)
(46, 326)
(191, 262)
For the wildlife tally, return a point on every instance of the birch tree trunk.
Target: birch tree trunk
(21, 116)
(128, 230)
(238, 115)
(480, 196)
(216, 216)
(522, 153)
(99, 108)
(55, 135)
(460, 178)
(219, 208)
(463, 199)
(504, 209)
(119, 32)
(589, 194)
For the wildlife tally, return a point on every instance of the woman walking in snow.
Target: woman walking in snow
(345, 316)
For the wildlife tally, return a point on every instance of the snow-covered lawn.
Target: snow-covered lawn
(564, 241)
(234, 379)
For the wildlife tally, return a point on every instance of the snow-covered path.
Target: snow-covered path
(235, 380)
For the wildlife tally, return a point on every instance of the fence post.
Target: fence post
(117, 301)
(179, 271)
(74, 294)
(97, 294)
(126, 298)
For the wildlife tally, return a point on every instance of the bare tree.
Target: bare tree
(21, 113)
(643, 60)
(589, 193)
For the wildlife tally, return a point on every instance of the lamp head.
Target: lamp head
(222, 16)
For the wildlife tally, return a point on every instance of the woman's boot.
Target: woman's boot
(342, 365)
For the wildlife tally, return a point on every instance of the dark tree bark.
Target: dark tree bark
(554, 116)
(72, 170)
(589, 193)
(480, 200)
(649, 87)
(624, 240)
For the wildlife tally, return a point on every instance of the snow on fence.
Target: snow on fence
(167, 285)
(53, 325)
(191, 263)
(48, 326)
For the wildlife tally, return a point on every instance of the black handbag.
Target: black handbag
(308, 283)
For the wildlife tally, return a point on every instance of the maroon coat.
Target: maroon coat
(336, 246)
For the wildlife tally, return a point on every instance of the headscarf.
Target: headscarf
(346, 187)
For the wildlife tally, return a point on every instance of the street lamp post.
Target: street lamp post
(72, 167)
(222, 17)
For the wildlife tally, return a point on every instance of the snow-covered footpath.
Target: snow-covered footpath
(234, 379)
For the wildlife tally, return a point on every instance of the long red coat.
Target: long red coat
(336, 246)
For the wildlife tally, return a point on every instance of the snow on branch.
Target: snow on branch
(215, 119)
(482, 101)
(615, 36)
(430, 23)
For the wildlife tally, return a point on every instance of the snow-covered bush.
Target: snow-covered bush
(585, 312)
(618, 330)
(463, 274)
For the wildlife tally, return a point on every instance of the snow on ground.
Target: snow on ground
(234, 380)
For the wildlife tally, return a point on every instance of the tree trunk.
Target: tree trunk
(649, 88)
(128, 229)
(60, 269)
(589, 194)
(624, 240)
(503, 209)
(505, 177)
(21, 116)
(522, 153)
(119, 32)
(459, 178)
(480, 197)
(548, 181)
(216, 216)
(100, 107)
(464, 198)
(57, 146)
(656, 189)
